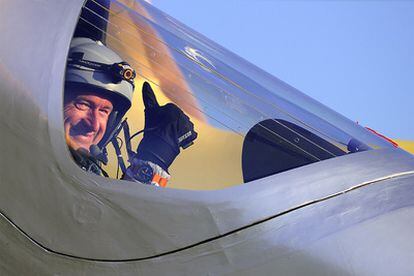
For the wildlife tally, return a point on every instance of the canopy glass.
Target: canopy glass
(250, 124)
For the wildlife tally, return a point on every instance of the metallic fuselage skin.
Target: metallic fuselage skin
(348, 215)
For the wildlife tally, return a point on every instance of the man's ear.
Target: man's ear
(148, 96)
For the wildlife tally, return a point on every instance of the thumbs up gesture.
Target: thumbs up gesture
(167, 129)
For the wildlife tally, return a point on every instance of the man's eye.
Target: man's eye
(105, 111)
(82, 105)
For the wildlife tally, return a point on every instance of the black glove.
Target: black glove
(167, 129)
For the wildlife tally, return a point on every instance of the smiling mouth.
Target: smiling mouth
(83, 138)
(88, 134)
(84, 141)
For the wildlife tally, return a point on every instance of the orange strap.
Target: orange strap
(160, 180)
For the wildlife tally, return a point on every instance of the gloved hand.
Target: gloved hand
(167, 129)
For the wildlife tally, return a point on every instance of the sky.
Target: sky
(356, 57)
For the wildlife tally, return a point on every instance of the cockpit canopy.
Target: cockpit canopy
(250, 124)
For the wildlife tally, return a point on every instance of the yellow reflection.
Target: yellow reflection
(406, 145)
(214, 161)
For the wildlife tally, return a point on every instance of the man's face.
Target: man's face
(85, 119)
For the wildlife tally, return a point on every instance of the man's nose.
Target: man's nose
(93, 119)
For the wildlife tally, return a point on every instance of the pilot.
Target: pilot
(99, 87)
